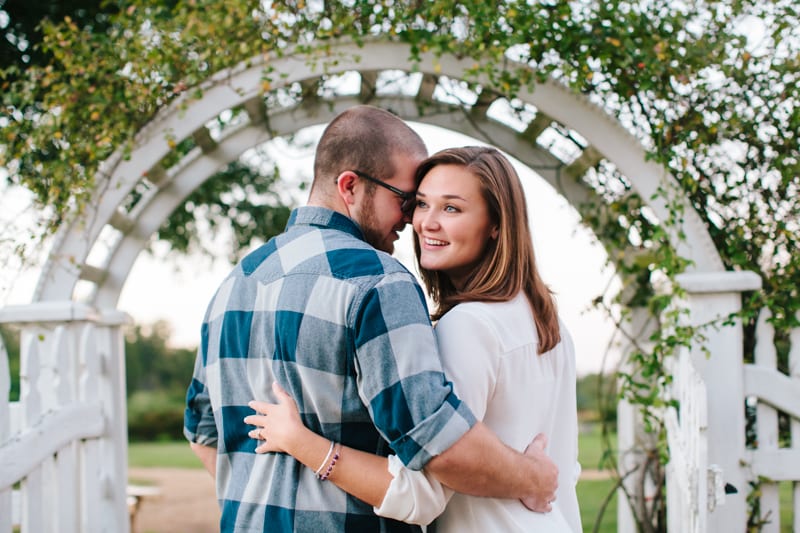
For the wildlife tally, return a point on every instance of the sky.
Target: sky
(570, 261)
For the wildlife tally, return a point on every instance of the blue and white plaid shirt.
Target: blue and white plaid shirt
(344, 328)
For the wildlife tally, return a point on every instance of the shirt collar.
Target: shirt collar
(324, 218)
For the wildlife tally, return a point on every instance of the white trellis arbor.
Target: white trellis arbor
(92, 326)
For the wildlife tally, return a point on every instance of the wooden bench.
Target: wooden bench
(136, 496)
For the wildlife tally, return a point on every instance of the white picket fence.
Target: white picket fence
(63, 445)
(695, 488)
(774, 391)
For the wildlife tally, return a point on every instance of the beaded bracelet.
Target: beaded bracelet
(324, 461)
(327, 473)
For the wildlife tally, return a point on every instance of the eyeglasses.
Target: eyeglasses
(409, 198)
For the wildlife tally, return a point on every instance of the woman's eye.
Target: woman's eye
(420, 203)
(450, 209)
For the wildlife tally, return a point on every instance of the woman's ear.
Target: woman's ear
(495, 232)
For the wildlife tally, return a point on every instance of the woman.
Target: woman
(501, 342)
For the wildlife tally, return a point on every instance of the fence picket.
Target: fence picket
(66, 486)
(111, 346)
(766, 356)
(30, 398)
(7, 511)
(687, 471)
(91, 471)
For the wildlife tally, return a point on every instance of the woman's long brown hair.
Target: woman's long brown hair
(508, 265)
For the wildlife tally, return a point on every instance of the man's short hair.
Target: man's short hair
(364, 138)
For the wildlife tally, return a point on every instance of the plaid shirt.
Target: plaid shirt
(344, 328)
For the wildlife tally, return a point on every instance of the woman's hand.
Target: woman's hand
(278, 425)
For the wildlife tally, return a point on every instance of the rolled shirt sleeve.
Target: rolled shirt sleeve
(414, 496)
(198, 419)
(400, 376)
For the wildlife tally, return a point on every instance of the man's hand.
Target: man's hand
(547, 479)
(480, 464)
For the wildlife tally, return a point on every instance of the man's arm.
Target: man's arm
(473, 461)
(198, 418)
(481, 465)
(207, 456)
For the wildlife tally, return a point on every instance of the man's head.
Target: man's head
(365, 159)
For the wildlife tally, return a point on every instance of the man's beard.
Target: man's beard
(368, 225)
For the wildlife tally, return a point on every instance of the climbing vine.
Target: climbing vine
(709, 88)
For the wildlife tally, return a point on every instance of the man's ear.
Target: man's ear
(345, 185)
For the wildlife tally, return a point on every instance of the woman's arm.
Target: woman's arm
(392, 489)
(364, 475)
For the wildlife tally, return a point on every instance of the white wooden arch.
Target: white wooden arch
(243, 86)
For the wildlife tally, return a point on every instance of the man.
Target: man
(327, 312)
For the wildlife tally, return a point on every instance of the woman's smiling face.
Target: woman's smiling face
(452, 222)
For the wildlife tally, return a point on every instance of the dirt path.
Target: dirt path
(186, 503)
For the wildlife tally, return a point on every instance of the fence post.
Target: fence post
(111, 344)
(90, 460)
(711, 296)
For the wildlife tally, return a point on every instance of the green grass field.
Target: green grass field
(593, 493)
(591, 447)
(162, 454)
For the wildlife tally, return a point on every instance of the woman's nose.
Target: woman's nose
(429, 220)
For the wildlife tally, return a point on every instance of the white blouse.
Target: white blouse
(489, 353)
